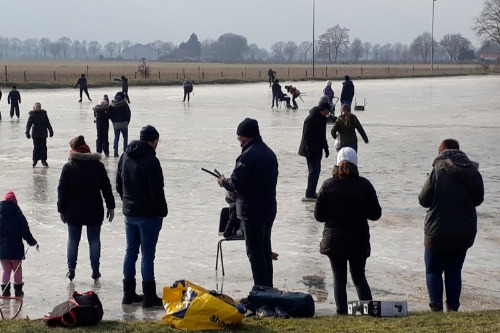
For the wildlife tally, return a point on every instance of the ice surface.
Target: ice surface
(405, 120)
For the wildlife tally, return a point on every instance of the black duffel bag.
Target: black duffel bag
(296, 304)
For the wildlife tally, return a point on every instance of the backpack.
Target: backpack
(295, 304)
(80, 310)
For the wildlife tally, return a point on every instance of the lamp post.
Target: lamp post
(314, 2)
(432, 38)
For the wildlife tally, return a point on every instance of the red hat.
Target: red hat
(10, 196)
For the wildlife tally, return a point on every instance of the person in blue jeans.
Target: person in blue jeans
(119, 114)
(82, 185)
(345, 203)
(451, 192)
(139, 182)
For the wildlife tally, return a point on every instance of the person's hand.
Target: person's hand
(220, 180)
(51, 134)
(37, 247)
(28, 136)
(110, 214)
(327, 153)
(61, 215)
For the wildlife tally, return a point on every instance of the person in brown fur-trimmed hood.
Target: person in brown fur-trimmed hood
(82, 185)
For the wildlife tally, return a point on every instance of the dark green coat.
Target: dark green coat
(39, 124)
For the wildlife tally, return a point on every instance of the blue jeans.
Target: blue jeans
(346, 101)
(314, 167)
(258, 246)
(450, 263)
(357, 269)
(124, 132)
(142, 233)
(94, 239)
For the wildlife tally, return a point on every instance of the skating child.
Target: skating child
(13, 229)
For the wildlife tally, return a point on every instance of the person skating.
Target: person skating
(124, 82)
(82, 83)
(313, 144)
(39, 126)
(187, 86)
(119, 114)
(101, 120)
(13, 229)
(347, 94)
(295, 93)
(14, 99)
(272, 76)
(344, 129)
(82, 185)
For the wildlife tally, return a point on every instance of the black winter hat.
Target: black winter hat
(149, 133)
(323, 106)
(119, 96)
(249, 128)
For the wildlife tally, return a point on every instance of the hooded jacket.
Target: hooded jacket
(39, 124)
(347, 93)
(348, 133)
(313, 135)
(452, 192)
(139, 181)
(14, 97)
(101, 113)
(119, 113)
(254, 181)
(13, 229)
(83, 183)
(346, 205)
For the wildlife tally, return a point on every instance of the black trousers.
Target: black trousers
(102, 142)
(86, 92)
(14, 107)
(258, 246)
(39, 149)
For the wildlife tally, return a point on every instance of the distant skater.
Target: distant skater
(124, 82)
(101, 120)
(119, 114)
(295, 93)
(347, 93)
(39, 125)
(82, 82)
(14, 99)
(328, 91)
(13, 229)
(188, 89)
(272, 76)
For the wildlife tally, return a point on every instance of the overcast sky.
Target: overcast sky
(262, 22)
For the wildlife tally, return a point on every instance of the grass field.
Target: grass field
(57, 74)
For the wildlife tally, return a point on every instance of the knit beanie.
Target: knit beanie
(149, 133)
(10, 196)
(347, 154)
(78, 145)
(249, 128)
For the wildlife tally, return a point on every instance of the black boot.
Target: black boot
(150, 298)
(6, 289)
(18, 290)
(129, 295)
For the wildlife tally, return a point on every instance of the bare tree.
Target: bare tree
(487, 24)
(421, 46)
(43, 43)
(305, 47)
(126, 44)
(157, 45)
(367, 46)
(4, 44)
(453, 43)
(290, 50)
(76, 48)
(65, 45)
(335, 39)
(111, 48)
(94, 48)
(84, 45)
(16, 44)
(278, 49)
(357, 49)
(30, 45)
(55, 48)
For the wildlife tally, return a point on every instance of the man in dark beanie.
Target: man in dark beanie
(119, 114)
(254, 181)
(312, 145)
(139, 182)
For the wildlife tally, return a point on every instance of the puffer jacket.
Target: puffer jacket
(119, 113)
(83, 183)
(13, 229)
(347, 93)
(346, 205)
(254, 181)
(101, 113)
(39, 124)
(452, 192)
(348, 133)
(313, 135)
(139, 181)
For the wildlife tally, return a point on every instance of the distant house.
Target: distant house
(490, 53)
(138, 52)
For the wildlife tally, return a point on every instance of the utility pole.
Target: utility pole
(432, 38)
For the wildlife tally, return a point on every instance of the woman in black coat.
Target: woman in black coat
(39, 125)
(83, 183)
(345, 203)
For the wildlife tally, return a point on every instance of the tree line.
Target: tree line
(333, 46)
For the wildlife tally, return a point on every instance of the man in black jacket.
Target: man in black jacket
(254, 181)
(14, 99)
(347, 91)
(139, 182)
(312, 145)
(82, 82)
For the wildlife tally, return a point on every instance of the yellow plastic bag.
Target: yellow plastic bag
(192, 307)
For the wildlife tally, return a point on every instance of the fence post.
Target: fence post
(326, 70)
(5, 73)
(387, 69)
(306, 72)
(245, 71)
(413, 69)
(259, 74)
(110, 75)
(203, 74)
(159, 75)
(177, 75)
(361, 70)
(87, 72)
(198, 72)
(221, 74)
(184, 73)
(241, 74)
(135, 75)
(55, 78)
(24, 76)
(288, 71)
